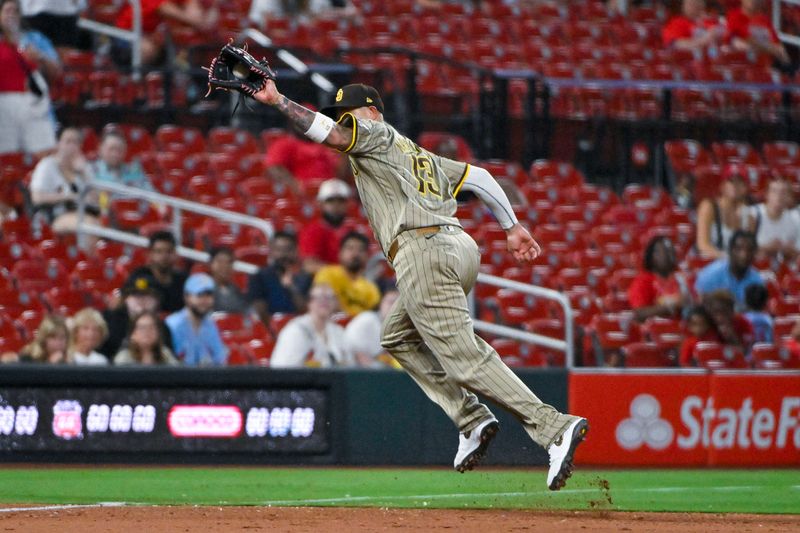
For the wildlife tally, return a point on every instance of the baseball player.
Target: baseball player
(409, 197)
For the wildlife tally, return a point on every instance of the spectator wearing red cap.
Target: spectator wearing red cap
(319, 240)
(718, 218)
(694, 29)
(750, 30)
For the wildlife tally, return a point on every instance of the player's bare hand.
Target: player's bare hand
(269, 94)
(522, 245)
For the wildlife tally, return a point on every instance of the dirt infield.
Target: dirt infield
(317, 519)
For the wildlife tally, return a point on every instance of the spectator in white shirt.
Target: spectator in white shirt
(313, 339)
(363, 335)
(777, 224)
(88, 330)
(58, 181)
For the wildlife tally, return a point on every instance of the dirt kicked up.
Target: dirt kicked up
(141, 519)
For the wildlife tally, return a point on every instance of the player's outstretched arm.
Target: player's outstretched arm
(520, 243)
(316, 126)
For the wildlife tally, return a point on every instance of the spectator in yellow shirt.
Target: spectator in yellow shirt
(355, 292)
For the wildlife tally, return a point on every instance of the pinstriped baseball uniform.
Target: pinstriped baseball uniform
(429, 330)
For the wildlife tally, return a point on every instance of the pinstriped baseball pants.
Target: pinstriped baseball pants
(429, 331)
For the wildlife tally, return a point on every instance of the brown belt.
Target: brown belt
(427, 230)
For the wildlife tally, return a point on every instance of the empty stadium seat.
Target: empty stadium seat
(645, 354)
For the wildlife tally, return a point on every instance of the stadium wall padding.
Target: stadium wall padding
(382, 417)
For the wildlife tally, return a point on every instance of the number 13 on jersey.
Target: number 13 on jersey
(426, 179)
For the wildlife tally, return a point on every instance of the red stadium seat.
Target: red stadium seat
(645, 355)
(180, 139)
(781, 153)
(735, 152)
(767, 355)
(686, 154)
(560, 173)
(715, 356)
(38, 276)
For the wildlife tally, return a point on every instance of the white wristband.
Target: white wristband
(320, 128)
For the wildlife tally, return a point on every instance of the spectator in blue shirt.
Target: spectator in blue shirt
(733, 273)
(195, 338)
(756, 297)
(111, 166)
(282, 286)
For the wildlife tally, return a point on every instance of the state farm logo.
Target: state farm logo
(644, 426)
(204, 421)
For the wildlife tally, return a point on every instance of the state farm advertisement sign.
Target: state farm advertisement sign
(688, 419)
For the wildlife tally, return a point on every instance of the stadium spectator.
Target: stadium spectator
(110, 164)
(58, 182)
(301, 11)
(313, 339)
(144, 345)
(294, 160)
(363, 335)
(26, 59)
(57, 20)
(319, 239)
(701, 328)
(189, 13)
(659, 289)
(733, 273)
(161, 265)
(693, 29)
(756, 296)
(718, 218)
(228, 296)
(49, 344)
(733, 328)
(750, 30)
(355, 292)
(139, 295)
(88, 330)
(195, 337)
(777, 225)
(282, 285)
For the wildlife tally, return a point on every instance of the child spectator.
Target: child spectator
(49, 344)
(733, 328)
(756, 296)
(144, 345)
(87, 333)
(701, 328)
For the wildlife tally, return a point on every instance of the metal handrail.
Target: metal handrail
(133, 36)
(142, 242)
(567, 345)
(177, 204)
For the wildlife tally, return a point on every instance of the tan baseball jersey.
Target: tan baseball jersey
(401, 185)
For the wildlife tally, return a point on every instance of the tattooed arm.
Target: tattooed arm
(339, 137)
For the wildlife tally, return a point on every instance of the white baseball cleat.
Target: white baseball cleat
(562, 451)
(472, 445)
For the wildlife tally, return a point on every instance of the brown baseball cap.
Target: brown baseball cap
(353, 96)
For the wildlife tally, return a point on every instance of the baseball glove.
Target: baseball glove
(234, 69)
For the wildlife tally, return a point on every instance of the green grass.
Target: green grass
(746, 491)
